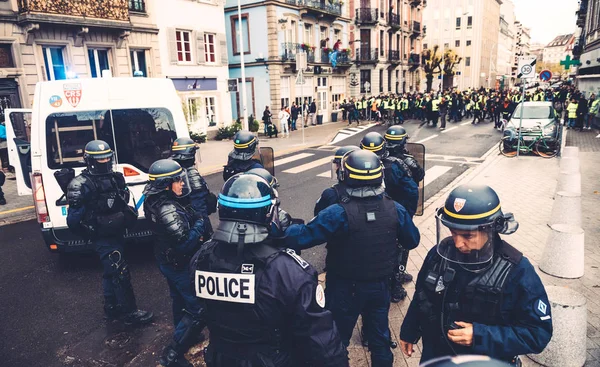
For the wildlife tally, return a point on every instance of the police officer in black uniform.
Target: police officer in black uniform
(401, 187)
(98, 211)
(465, 361)
(332, 195)
(262, 303)
(178, 232)
(241, 158)
(395, 138)
(475, 293)
(204, 203)
(362, 234)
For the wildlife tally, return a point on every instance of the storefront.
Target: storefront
(200, 102)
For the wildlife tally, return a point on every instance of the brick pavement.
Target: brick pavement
(526, 187)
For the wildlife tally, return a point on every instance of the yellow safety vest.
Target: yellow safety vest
(434, 105)
(572, 110)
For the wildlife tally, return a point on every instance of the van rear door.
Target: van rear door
(18, 138)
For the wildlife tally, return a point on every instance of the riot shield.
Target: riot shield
(418, 152)
(267, 158)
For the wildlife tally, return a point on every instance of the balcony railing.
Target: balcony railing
(366, 55)
(289, 51)
(343, 58)
(393, 20)
(116, 10)
(394, 56)
(414, 60)
(367, 15)
(416, 28)
(323, 6)
(137, 5)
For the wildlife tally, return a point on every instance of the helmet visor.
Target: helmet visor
(461, 245)
(181, 184)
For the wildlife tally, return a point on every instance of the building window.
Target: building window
(467, 61)
(337, 35)
(397, 80)
(209, 48)
(381, 81)
(55, 63)
(457, 43)
(285, 91)
(365, 81)
(137, 5)
(468, 42)
(389, 81)
(424, 46)
(193, 106)
(458, 23)
(6, 59)
(235, 32)
(211, 110)
(184, 46)
(446, 46)
(138, 63)
(381, 42)
(98, 61)
(469, 22)
(308, 34)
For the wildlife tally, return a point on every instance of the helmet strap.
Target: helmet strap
(241, 229)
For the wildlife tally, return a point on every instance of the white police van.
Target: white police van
(138, 117)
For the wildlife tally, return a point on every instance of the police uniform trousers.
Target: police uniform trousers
(347, 299)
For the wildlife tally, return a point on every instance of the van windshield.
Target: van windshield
(143, 135)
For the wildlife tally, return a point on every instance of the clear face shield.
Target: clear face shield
(335, 167)
(181, 185)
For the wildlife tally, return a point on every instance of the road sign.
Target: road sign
(232, 85)
(545, 75)
(526, 67)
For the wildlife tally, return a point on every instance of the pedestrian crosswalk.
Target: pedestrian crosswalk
(350, 131)
(315, 163)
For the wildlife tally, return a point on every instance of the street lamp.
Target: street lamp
(490, 70)
(241, 43)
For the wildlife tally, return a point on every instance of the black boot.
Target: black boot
(404, 278)
(2, 201)
(172, 358)
(138, 317)
(398, 293)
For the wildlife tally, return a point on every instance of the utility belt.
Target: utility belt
(116, 222)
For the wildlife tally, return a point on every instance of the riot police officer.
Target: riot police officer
(362, 234)
(332, 195)
(178, 232)
(262, 302)
(396, 137)
(465, 361)
(98, 211)
(241, 158)
(401, 187)
(204, 203)
(475, 293)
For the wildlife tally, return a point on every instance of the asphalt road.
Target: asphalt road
(51, 306)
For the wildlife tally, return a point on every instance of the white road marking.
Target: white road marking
(348, 132)
(307, 166)
(465, 123)
(434, 172)
(292, 158)
(426, 139)
(450, 129)
(326, 174)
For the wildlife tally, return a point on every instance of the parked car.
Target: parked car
(536, 116)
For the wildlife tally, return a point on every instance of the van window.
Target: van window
(143, 135)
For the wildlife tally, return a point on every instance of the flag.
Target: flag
(333, 58)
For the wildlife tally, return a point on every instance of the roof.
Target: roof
(560, 41)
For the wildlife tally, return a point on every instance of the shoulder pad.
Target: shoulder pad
(303, 264)
(510, 253)
(77, 190)
(119, 179)
(196, 181)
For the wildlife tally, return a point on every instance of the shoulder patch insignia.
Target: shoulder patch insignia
(247, 268)
(320, 296)
(297, 257)
(541, 309)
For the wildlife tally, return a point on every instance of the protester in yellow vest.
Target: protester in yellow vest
(572, 110)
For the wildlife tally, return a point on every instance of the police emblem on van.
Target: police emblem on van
(72, 93)
(225, 287)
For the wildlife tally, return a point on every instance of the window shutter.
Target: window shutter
(200, 55)
(223, 47)
(172, 45)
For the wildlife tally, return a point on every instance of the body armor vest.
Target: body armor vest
(391, 188)
(235, 166)
(109, 203)
(368, 250)
(239, 329)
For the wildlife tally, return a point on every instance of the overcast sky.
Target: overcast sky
(547, 19)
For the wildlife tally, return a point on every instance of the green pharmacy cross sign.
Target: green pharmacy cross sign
(567, 62)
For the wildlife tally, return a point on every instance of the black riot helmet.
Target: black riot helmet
(244, 145)
(247, 198)
(396, 137)
(337, 160)
(375, 143)
(464, 361)
(272, 180)
(95, 151)
(469, 223)
(361, 168)
(162, 174)
(183, 151)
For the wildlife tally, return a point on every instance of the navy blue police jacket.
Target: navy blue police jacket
(523, 325)
(402, 188)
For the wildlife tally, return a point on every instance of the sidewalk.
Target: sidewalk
(214, 157)
(526, 187)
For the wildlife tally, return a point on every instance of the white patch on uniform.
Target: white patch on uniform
(542, 307)
(110, 202)
(297, 257)
(320, 296)
(459, 204)
(547, 317)
(247, 268)
(225, 287)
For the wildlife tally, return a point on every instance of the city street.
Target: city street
(51, 305)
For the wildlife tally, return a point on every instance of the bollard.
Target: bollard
(566, 208)
(567, 348)
(570, 152)
(569, 165)
(563, 255)
(570, 182)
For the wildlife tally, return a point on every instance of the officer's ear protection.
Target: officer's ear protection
(506, 224)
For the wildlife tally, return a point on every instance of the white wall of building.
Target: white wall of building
(202, 105)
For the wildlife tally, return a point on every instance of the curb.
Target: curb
(18, 218)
